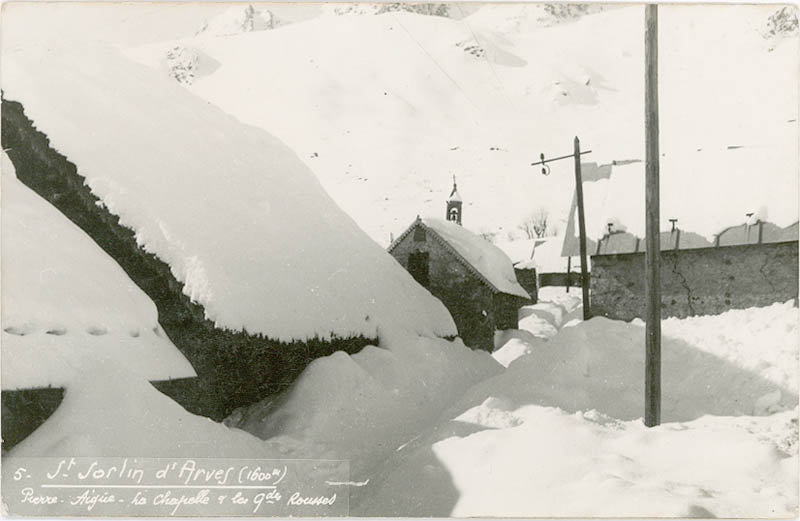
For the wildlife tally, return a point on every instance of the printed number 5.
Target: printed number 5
(19, 473)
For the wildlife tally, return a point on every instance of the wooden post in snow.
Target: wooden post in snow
(652, 392)
(582, 230)
(569, 272)
(576, 155)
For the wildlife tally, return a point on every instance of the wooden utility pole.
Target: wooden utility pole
(576, 155)
(652, 287)
(582, 230)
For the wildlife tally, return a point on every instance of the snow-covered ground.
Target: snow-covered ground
(363, 407)
(559, 433)
(550, 425)
(433, 428)
(556, 309)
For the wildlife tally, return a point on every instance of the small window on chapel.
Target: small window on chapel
(419, 234)
(454, 214)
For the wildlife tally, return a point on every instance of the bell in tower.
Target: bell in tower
(454, 205)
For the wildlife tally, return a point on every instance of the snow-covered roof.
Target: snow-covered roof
(238, 217)
(708, 192)
(482, 257)
(547, 257)
(65, 302)
(519, 250)
(455, 197)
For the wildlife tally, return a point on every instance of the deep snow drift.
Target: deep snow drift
(68, 308)
(364, 406)
(711, 369)
(559, 433)
(118, 413)
(499, 459)
(242, 223)
(482, 96)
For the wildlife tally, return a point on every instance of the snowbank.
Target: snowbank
(241, 222)
(481, 254)
(510, 345)
(497, 460)
(762, 340)
(559, 433)
(597, 364)
(539, 321)
(558, 295)
(66, 302)
(364, 406)
(135, 419)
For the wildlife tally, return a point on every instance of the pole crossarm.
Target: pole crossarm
(568, 156)
(576, 156)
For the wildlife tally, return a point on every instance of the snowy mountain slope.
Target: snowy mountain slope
(241, 222)
(384, 124)
(67, 305)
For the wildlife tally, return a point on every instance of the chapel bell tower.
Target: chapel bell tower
(454, 203)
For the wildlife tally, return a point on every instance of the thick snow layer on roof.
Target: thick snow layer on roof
(65, 301)
(547, 257)
(485, 257)
(520, 250)
(240, 220)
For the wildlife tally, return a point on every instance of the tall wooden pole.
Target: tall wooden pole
(582, 230)
(652, 393)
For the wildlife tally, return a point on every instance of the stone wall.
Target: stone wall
(469, 300)
(705, 281)
(527, 278)
(560, 279)
(507, 310)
